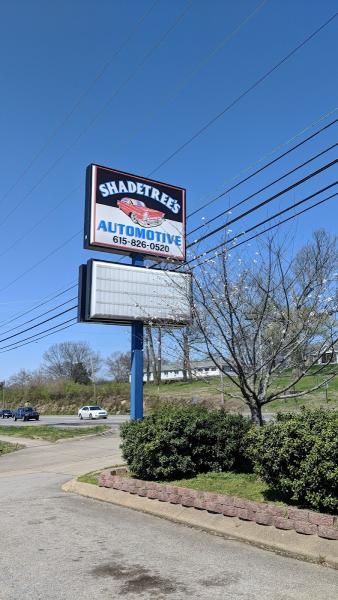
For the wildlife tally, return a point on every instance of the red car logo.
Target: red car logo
(139, 213)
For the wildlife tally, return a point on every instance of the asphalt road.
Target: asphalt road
(67, 421)
(57, 546)
(74, 421)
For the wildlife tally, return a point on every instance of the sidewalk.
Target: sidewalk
(27, 442)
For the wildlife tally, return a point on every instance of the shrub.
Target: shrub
(182, 441)
(298, 458)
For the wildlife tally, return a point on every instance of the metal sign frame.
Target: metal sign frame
(85, 296)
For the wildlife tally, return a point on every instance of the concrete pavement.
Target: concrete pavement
(71, 457)
(287, 543)
(57, 546)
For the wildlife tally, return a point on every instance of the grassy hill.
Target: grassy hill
(65, 397)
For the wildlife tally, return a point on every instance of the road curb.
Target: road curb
(286, 543)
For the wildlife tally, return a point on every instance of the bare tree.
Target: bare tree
(154, 353)
(20, 379)
(72, 360)
(118, 366)
(25, 377)
(268, 314)
(183, 342)
(147, 358)
(187, 372)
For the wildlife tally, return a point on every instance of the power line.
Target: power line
(243, 94)
(267, 229)
(19, 344)
(101, 110)
(18, 316)
(181, 86)
(223, 193)
(261, 79)
(195, 258)
(235, 237)
(36, 334)
(37, 223)
(256, 207)
(315, 134)
(41, 337)
(219, 195)
(263, 203)
(262, 189)
(41, 261)
(38, 324)
(236, 185)
(85, 92)
(40, 315)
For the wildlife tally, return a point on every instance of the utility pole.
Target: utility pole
(159, 359)
(93, 377)
(222, 387)
(2, 386)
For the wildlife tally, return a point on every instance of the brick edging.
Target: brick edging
(302, 521)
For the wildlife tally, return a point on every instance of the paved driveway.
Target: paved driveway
(57, 546)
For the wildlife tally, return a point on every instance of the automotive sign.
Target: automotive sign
(130, 214)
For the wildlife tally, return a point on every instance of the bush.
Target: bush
(182, 441)
(298, 458)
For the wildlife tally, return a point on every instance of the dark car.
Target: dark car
(6, 413)
(26, 413)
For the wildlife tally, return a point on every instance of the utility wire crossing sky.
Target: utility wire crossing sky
(258, 79)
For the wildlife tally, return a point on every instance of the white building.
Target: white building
(329, 357)
(174, 372)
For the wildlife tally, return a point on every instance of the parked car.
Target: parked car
(6, 413)
(26, 413)
(140, 213)
(92, 412)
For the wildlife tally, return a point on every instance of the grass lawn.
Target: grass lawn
(6, 447)
(244, 485)
(49, 432)
(210, 390)
(93, 476)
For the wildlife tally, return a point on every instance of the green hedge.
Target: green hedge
(176, 442)
(298, 458)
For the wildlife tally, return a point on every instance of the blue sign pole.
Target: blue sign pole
(136, 388)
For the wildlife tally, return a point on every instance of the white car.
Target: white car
(92, 412)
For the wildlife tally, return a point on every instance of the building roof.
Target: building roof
(194, 364)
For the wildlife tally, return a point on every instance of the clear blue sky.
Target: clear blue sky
(140, 109)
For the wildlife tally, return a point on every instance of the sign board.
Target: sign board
(130, 214)
(117, 293)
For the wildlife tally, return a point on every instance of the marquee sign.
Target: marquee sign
(117, 293)
(130, 214)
